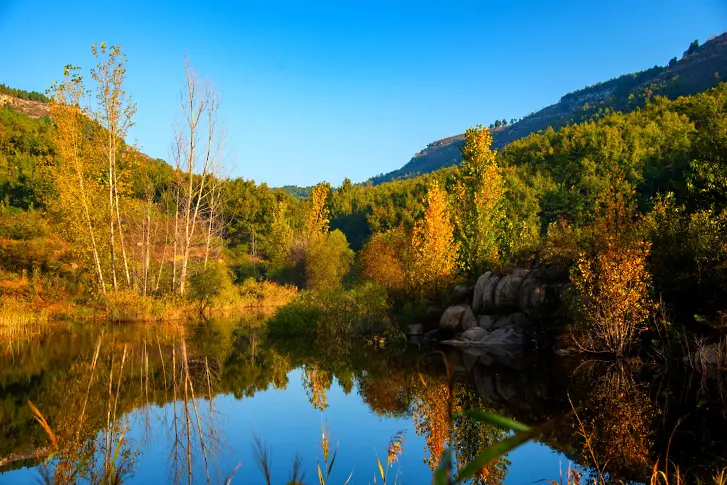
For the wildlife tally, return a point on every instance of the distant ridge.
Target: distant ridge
(699, 69)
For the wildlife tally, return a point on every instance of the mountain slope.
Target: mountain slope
(698, 70)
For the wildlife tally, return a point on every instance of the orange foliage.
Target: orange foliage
(613, 283)
(432, 420)
(434, 251)
(383, 259)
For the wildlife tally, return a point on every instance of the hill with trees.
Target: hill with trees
(698, 69)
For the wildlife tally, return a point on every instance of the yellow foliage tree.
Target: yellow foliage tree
(77, 173)
(317, 218)
(613, 282)
(384, 259)
(434, 251)
(477, 197)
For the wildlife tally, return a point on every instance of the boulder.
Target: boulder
(479, 292)
(518, 321)
(473, 334)
(457, 318)
(708, 356)
(416, 329)
(461, 294)
(433, 336)
(487, 321)
(521, 272)
(506, 293)
(488, 293)
(504, 338)
(533, 297)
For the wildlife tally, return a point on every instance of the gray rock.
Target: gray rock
(457, 318)
(521, 272)
(708, 357)
(488, 293)
(506, 293)
(533, 297)
(479, 292)
(461, 294)
(416, 329)
(473, 334)
(433, 336)
(487, 321)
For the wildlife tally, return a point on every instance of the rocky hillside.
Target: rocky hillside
(698, 70)
(34, 109)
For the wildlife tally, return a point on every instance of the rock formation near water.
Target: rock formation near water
(504, 309)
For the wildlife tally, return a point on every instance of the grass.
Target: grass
(336, 315)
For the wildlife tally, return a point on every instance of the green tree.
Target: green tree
(328, 259)
(477, 199)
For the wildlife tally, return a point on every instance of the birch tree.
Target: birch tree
(114, 112)
(198, 156)
(74, 174)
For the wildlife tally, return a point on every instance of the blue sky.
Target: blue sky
(316, 91)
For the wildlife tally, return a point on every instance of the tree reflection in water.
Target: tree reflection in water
(93, 387)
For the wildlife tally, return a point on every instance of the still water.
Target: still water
(188, 406)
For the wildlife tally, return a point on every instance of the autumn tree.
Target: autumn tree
(77, 174)
(113, 112)
(327, 255)
(281, 237)
(612, 279)
(434, 251)
(385, 259)
(478, 197)
(198, 154)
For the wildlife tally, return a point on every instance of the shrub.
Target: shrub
(209, 284)
(335, 314)
(22, 225)
(384, 259)
(327, 260)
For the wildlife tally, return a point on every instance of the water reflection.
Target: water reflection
(128, 403)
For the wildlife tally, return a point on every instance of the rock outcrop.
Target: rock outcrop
(505, 310)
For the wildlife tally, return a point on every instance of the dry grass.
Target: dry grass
(18, 317)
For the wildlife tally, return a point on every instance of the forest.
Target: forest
(627, 209)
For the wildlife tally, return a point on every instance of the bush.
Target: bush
(211, 283)
(22, 225)
(335, 315)
(327, 260)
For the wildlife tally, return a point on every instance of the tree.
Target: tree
(692, 47)
(504, 122)
(478, 200)
(672, 61)
(114, 112)
(328, 258)
(385, 259)
(612, 281)
(198, 154)
(281, 237)
(434, 252)
(498, 123)
(77, 174)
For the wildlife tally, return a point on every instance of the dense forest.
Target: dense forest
(84, 214)
(626, 210)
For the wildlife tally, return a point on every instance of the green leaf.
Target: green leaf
(495, 451)
(333, 460)
(494, 419)
(444, 470)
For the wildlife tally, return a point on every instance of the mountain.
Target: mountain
(700, 68)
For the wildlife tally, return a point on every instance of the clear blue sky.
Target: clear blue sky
(318, 91)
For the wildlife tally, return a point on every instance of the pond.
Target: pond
(189, 404)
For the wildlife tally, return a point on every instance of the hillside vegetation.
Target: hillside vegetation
(698, 69)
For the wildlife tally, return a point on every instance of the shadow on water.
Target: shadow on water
(104, 397)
